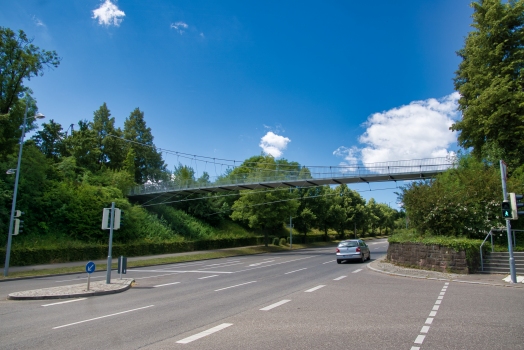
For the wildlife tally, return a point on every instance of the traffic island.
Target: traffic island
(75, 290)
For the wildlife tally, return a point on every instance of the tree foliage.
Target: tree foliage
(490, 80)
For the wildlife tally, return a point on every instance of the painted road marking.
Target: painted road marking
(283, 262)
(64, 302)
(272, 306)
(305, 268)
(184, 271)
(143, 278)
(204, 333)
(203, 278)
(328, 262)
(339, 278)
(167, 284)
(98, 318)
(238, 285)
(420, 339)
(260, 263)
(357, 270)
(425, 329)
(315, 288)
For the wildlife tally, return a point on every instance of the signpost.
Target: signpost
(90, 268)
(122, 265)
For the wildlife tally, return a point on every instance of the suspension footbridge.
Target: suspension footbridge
(306, 176)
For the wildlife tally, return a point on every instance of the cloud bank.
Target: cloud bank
(414, 131)
(108, 14)
(274, 144)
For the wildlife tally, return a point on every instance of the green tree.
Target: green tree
(50, 140)
(112, 151)
(20, 60)
(490, 80)
(149, 164)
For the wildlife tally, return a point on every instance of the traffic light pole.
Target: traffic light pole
(513, 273)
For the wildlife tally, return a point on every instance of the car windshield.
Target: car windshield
(348, 244)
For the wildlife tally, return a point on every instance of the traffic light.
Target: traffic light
(506, 210)
(515, 205)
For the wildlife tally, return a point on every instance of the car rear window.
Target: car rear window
(348, 244)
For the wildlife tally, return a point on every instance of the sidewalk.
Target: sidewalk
(382, 266)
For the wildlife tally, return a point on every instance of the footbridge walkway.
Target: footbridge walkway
(307, 176)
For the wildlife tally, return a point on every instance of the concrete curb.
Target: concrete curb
(74, 291)
(516, 285)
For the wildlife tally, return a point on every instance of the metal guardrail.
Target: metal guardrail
(306, 176)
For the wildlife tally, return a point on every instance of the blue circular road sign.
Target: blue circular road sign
(90, 267)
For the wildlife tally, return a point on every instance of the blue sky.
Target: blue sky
(320, 83)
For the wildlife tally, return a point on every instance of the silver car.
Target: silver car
(353, 249)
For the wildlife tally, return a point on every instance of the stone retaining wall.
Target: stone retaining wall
(431, 257)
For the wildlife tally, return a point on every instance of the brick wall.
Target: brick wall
(431, 257)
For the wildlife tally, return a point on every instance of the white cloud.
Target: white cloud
(274, 144)
(179, 26)
(109, 14)
(415, 131)
(38, 22)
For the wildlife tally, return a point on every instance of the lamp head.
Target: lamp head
(39, 116)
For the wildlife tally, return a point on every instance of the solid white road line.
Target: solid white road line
(184, 271)
(203, 278)
(242, 284)
(144, 278)
(167, 284)
(305, 268)
(315, 288)
(272, 306)
(98, 318)
(204, 333)
(357, 270)
(64, 302)
(339, 278)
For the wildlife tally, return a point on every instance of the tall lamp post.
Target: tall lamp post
(17, 176)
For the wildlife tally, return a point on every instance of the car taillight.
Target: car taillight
(338, 250)
(358, 249)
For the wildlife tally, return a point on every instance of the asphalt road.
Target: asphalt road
(296, 300)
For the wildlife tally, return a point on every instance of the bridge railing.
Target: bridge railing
(305, 173)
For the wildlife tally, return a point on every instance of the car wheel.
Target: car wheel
(363, 258)
(339, 261)
(369, 256)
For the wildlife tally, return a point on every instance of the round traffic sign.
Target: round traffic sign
(90, 267)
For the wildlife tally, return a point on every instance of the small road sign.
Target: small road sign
(90, 267)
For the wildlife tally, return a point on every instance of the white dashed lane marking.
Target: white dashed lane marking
(357, 270)
(272, 306)
(64, 302)
(204, 333)
(314, 288)
(425, 329)
(237, 285)
(166, 284)
(339, 278)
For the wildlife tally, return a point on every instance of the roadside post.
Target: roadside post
(90, 268)
(504, 176)
(122, 265)
(290, 233)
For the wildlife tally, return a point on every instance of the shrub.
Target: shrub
(283, 241)
(276, 241)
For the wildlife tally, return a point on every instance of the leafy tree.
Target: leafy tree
(50, 140)
(148, 161)
(490, 80)
(112, 151)
(19, 60)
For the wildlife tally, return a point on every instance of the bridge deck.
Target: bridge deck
(391, 171)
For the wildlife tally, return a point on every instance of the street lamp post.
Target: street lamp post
(17, 176)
